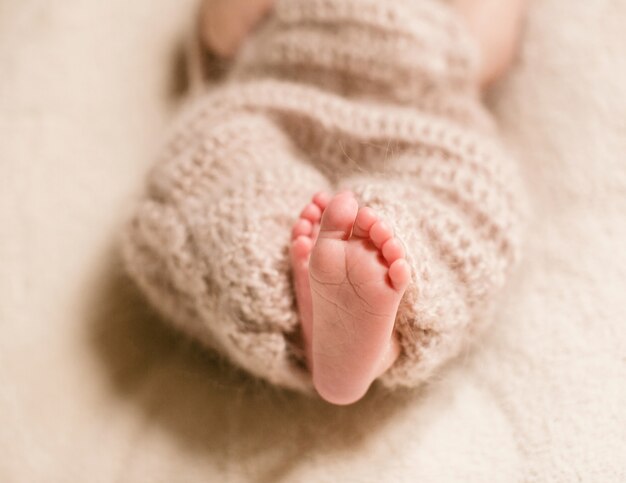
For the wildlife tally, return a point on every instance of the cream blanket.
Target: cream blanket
(92, 388)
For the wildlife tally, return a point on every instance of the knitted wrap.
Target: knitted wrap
(377, 97)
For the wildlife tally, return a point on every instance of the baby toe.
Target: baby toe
(392, 250)
(365, 219)
(399, 274)
(380, 233)
(301, 247)
(302, 227)
(338, 218)
(322, 199)
(311, 212)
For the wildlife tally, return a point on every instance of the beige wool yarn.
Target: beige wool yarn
(377, 97)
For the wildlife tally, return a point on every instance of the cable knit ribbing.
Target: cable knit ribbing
(378, 97)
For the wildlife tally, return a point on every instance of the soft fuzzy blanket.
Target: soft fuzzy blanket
(94, 388)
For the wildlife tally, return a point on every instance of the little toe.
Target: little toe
(312, 212)
(365, 219)
(380, 233)
(302, 227)
(400, 274)
(322, 199)
(392, 250)
(338, 217)
(301, 248)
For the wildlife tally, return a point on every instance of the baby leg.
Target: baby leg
(209, 243)
(455, 210)
(225, 23)
(460, 222)
(496, 26)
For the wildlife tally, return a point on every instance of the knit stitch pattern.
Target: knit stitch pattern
(376, 97)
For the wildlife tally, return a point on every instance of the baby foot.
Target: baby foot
(358, 275)
(303, 237)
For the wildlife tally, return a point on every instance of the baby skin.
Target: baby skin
(350, 271)
(350, 275)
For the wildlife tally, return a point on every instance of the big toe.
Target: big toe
(339, 216)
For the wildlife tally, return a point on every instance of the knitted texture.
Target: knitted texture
(378, 97)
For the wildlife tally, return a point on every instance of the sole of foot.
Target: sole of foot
(357, 274)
